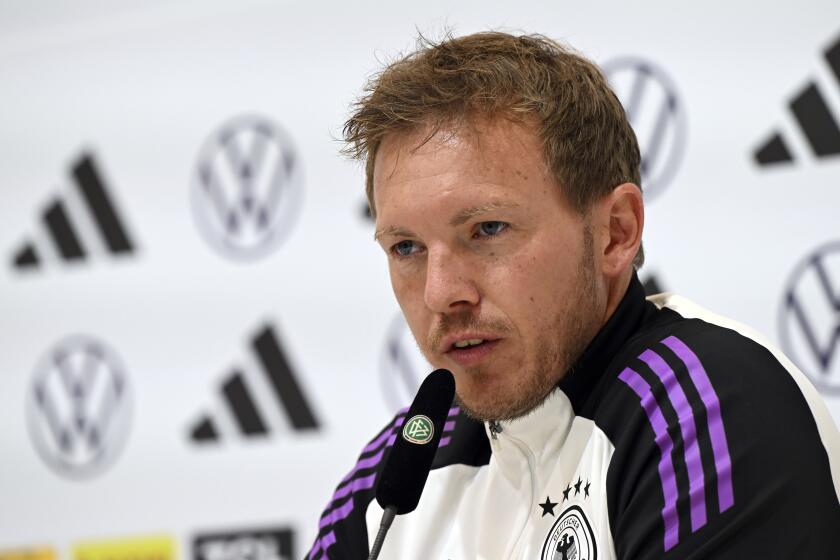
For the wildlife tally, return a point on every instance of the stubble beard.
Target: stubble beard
(557, 349)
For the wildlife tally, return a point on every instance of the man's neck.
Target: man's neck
(616, 288)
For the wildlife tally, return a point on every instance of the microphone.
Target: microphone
(410, 460)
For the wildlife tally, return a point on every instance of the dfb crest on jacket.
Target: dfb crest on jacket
(570, 538)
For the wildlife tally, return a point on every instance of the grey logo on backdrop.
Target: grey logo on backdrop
(258, 544)
(79, 407)
(247, 188)
(810, 317)
(402, 366)
(657, 115)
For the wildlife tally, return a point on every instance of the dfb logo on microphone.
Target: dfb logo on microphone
(419, 429)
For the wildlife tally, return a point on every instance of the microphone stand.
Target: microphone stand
(384, 525)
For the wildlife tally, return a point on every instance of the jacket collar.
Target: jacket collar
(545, 428)
(582, 378)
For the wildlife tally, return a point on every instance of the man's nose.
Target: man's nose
(450, 281)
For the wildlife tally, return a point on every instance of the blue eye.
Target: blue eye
(489, 229)
(403, 248)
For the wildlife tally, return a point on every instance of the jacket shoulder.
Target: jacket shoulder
(719, 443)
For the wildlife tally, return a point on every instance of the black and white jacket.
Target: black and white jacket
(678, 434)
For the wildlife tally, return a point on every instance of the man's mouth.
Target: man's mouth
(469, 352)
(468, 343)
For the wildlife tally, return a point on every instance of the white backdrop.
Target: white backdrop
(144, 88)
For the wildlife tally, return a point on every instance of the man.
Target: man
(590, 423)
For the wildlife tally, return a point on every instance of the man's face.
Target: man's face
(492, 268)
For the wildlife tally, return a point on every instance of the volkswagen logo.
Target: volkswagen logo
(79, 407)
(402, 366)
(247, 188)
(810, 317)
(657, 115)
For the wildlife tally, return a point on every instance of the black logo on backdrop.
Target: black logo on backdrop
(812, 116)
(402, 366)
(810, 317)
(247, 188)
(652, 285)
(93, 226)
(79, 406)
(364, 211)
(241, 401)
(261, 544)
(657, 114)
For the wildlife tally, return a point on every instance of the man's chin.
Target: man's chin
(498, 406)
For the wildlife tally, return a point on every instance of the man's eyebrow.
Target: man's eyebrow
(392, 230)
(460, 218)
(468, 213)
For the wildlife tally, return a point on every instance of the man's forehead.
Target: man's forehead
(451, 132)
(426, 140)
(474, 145)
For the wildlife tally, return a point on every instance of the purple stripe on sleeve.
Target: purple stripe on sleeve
(449, 426)
(696, 479)
(378, 441)
(322, 544)
(720, 447)
(371, 461)
(327, 541)
(444, 441)
(383, 436)
(666, 446)
(336, 514)
(316, 548)
(361, 483)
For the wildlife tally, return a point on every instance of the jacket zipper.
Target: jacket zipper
(531, 460)
(495, 429)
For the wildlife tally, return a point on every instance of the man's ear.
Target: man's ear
(621, 217)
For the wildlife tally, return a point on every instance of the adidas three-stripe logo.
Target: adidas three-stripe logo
(689, 431)
(813, 117)
(248, 399)
(83, 222)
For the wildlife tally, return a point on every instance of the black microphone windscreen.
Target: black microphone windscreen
(407, 468)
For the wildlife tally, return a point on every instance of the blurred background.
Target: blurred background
(198, 331)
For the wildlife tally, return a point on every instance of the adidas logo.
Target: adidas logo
(813, 117)
(652, 285)
(259, 399)
(83, 222)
